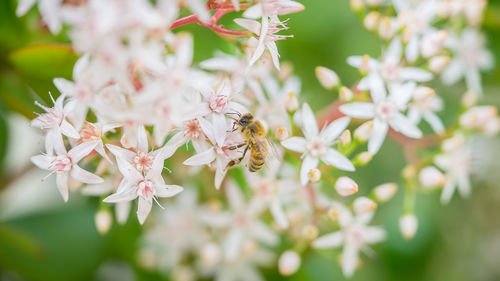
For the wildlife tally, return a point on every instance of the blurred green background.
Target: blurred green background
(460, 241)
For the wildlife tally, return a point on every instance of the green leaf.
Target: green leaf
(15, 95)
(3, 139)
(38, 65)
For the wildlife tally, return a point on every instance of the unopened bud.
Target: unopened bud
(103, 221)
(433, 43)
(470, 99)
(210, 254)
(386, 30)
(374, 3)
(310, 231)
(363, 132)
(289, 263)
(286, 69)
(385, 192)
(327, 77)
(364, 205)
(431, 177)
(345, 186)
(363, 158)
(365, 65)
(372, 21)
(409, 172)
(408, 225)
(281, 133)
(345, 138)
(333, 213)
(292, 103)
(437, 64)
(357, 5)
(314, 175)
(345, 94)
(492, 127)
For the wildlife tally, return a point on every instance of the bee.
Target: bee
(255, 140)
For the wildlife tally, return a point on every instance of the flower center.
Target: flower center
(146, 189)
(390, 72)
(61, 164)
(143, 162)
(193, 129)
(265, 190)
(218, 103)
(385, 110)
(317, 146)
(90, 132)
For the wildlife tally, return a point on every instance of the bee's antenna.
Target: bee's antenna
(235, 113)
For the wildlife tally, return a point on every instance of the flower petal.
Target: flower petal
(363, 110)
(62, 185)
(378, 136)
(81, 150)
(328, 241)
(203, 158)
(252, 25)
(120, 152)
(142, 139)
(84, 176)
(126, 196)
(334, 129)
(309, 123)
(336, 159)
(403, 125)
(414, 74)
(168, 190)
(278, 214)
(68, 130)
(308, 164)
(143, 209)
(349, 259)
(297, 144)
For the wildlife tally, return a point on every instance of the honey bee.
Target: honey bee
(255, 140)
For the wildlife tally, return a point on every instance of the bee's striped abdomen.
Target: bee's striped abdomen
(257, 156)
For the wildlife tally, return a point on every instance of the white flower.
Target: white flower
(345, 186)
(49, 9)
(408, 225)
(267, 37)
(289, 263)
(470, 58)
(273, 7)
(216, 132)
(65, 164)
(387, 71)
(385, 111)
(316, 145)
(54, 123)
(354, 236)
(93, 132)
(425, 102)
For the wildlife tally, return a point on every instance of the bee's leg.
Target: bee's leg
(237, 161)
(237, 146)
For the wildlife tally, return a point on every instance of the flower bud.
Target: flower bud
(345, 138)
(492, 127)
(183, 273)
(431, 177)
(291, 103)
(386, 30)
(333, 213)
(310, 232)
(363, 158)
(363, 132)
(364, 205)
(470, 99)
(314, 175)
(327, 77)
(433, 43)
(345, 94)
(345, 186)
(210, 254)
(372, 20)
(365, 65)
(384, 192)
(289, 263)
(103, 221)
(286, 69)
(408, 225)
(374, 3)
(357, 5)
(281, 133)
(437, 64)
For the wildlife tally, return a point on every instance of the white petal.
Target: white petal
(62, 185)
(373, 234)
(80, 151)
(453, 72)
(334, 129)
(142, 139)
(327, 241)
(464, 185)
(84, 176)
(414, 74)
(253, 12)
(43, 161)
(143, 209)
(349, 259)
(220, 128)
(233, 243)
(403, 125)
(278, 213)
(336, 159)
(126, 196)
(447, 193)
(412, 49)
(202, 158)
(434, 121)
(308, 164)
(400, 94)
(363, 110)
(122, 210)
(378, 136)
(252, 25)
(273, 50)
(64, 86)
(263, 233)
(393, 53)
(168, 190)
(473, 80)
(68, 130)
(377, 87)
(297, 144)
(259, 50)
(309, 124)
(121, 153)
(128, 171)
(234, 197)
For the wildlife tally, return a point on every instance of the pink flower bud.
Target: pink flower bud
(431, 177)
(103, 221)
(314, 175)
(372, 20)
(327, 77)
(345, 186)
(437, 64)
(384, 192)
(289, 263)
(364, 205)
(363, 132)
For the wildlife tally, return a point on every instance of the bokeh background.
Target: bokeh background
(41, 238)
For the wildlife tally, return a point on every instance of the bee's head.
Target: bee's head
(245, 119)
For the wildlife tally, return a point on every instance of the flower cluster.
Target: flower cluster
(137, 99)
